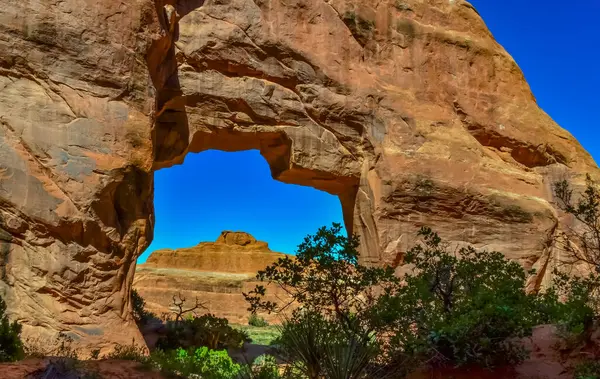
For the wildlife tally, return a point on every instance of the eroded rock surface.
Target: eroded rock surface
(408, 110)
(216, 273)
(75, 163)
(232, 252)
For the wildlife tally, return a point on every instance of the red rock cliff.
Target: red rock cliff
(408, 110)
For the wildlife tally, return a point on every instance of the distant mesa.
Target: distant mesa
(217, 273)
(232, 252)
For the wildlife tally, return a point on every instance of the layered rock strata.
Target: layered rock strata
(216, 273)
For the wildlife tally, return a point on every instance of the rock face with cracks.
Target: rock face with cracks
(409, 111)
(232, 252)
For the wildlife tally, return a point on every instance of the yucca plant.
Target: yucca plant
(320, 347)
(302, 342)
(349, 358)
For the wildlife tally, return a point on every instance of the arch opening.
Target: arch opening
(220, 218)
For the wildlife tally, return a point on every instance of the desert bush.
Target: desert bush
(140, 314)
(458, 307)
(579, 305)
(318, 347)
(62, 359)
(567, 305)
(132, 352)
(587, 370)
(206, 330)
(256, 320)
(325, 278)
(581, 243)
(11, 347)
(193, 363)
(454, 307)
(333, 295)
(263, 367)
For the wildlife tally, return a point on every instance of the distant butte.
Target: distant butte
(232, 252)
(217, 273)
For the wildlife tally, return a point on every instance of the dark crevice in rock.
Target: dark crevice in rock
(362, 30)
(527, 154)
(422, 195)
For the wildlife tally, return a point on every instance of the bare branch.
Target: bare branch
(179, 310)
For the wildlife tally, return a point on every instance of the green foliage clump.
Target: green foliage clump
(140, 314)
(256, 320)
(332, 328)
(317, 347)
(11, 347)
(206, 330)
(579, 309)
(325, 278)
(263, 367)
(263, 335)
(567, 305)
(587, 370)
(192, 363)
(458, 307)
(131, 352)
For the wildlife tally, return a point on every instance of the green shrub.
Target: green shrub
(587, 370)
(11, 347)
(264, 335)
(206, 330)
(569, 305)
(325, 278)
(140, 314)
(131, 352)
(317, 347)
(256, 320)
(580, 247)
(263, 367)
(459, 308)
(335, 296)
(456, 307)
(201, 362)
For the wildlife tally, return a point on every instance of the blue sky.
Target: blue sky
(556, 44)
(214, 191)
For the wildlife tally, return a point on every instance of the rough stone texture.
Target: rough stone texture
(75, 163)
(217, 273)
(232, 252)
(409, 111)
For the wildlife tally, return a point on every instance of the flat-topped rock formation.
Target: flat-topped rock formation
(217, 273)
(232, 252)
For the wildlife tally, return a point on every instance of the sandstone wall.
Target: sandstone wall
(408, 110)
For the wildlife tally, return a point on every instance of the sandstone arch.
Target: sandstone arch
(416, 117)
